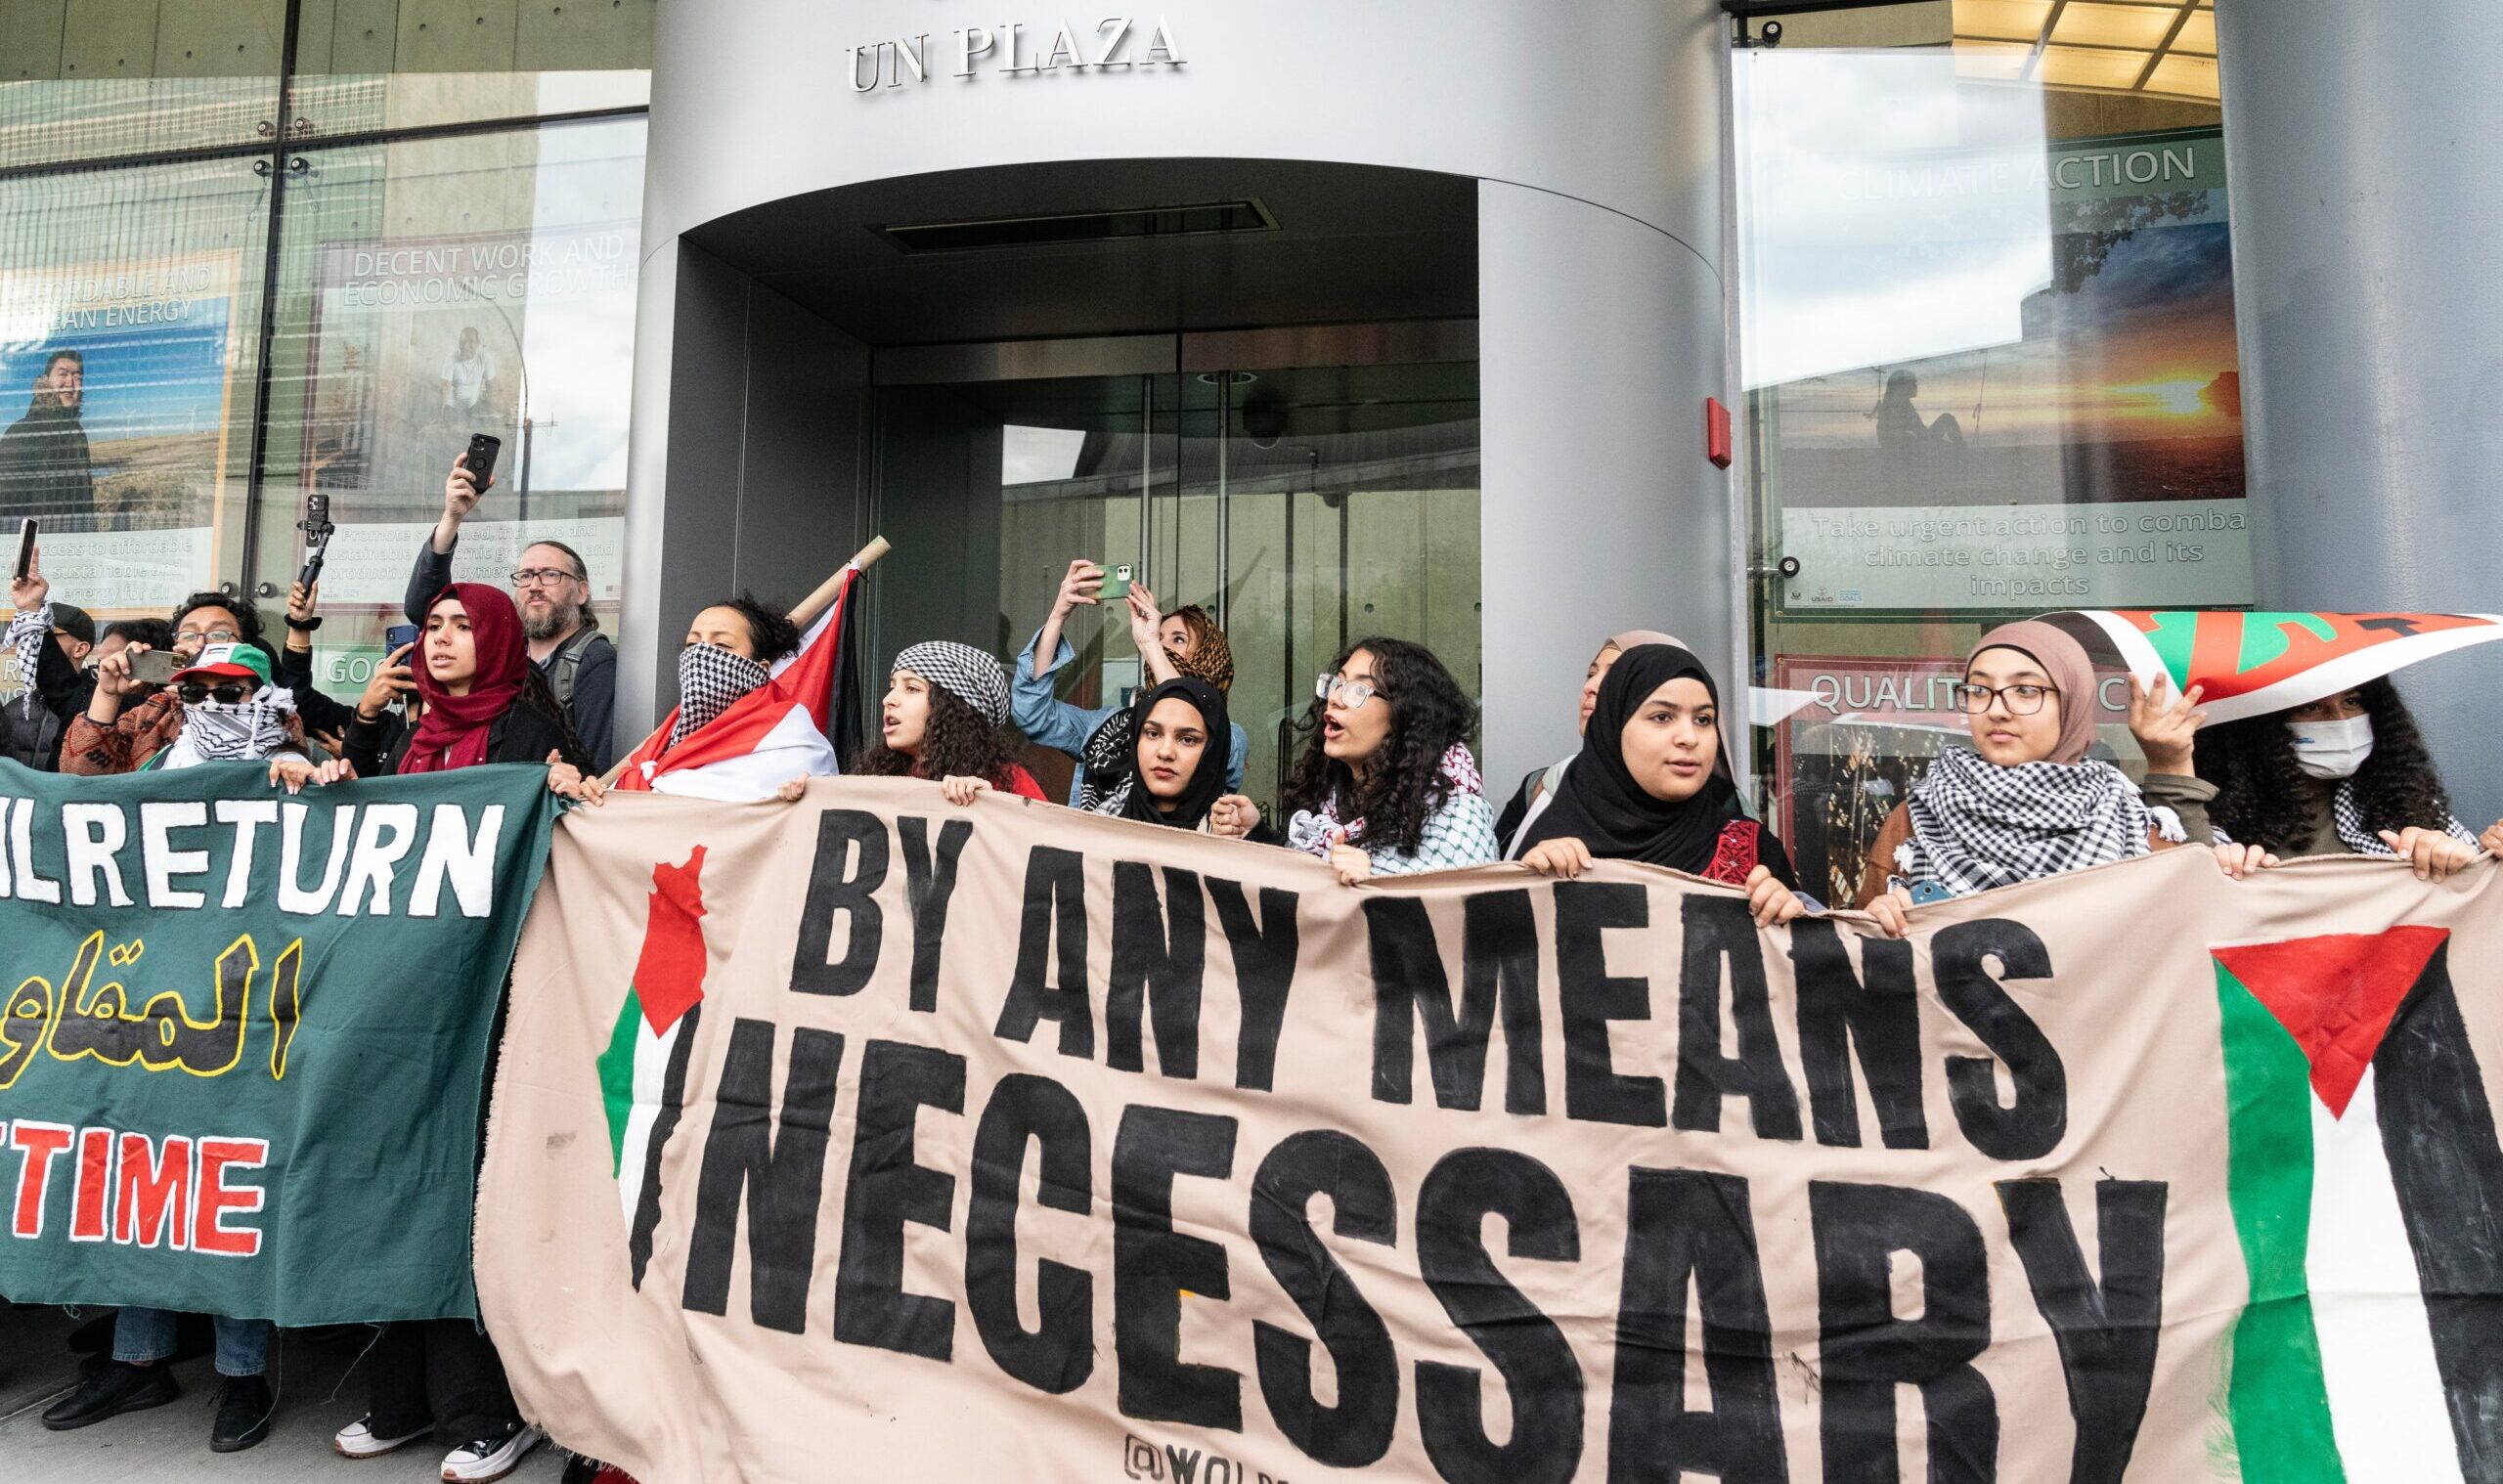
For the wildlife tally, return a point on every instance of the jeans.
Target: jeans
(143, 1335)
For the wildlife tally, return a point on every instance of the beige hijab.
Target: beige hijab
(2071, 672)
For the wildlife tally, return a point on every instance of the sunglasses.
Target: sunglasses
(225, 694)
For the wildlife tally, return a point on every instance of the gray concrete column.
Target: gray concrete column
(2365, 168)
(1598, 337)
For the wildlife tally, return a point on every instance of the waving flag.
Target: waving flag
(776, 732)
(2254, 663)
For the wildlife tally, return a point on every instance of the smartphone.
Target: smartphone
(317, 528)
(157, 667)
(480, 461)
(396, 636)
(26, 529)
(1117, 586)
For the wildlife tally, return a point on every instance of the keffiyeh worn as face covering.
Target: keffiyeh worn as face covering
(963, 672)
(710, 680)
(1977, 825)
(28, 629)
(250, 730)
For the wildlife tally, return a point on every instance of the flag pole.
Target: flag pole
(805, 611)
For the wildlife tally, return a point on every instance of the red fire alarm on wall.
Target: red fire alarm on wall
(1716, 432)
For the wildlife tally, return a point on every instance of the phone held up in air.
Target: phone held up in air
(480, 461)
(1117, 586)
(27, 530)
(398, 635)
(317, 528)
(157, 667)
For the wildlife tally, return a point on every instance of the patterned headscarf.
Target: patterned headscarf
(1212, 659)
(29, 627)
(970, 676)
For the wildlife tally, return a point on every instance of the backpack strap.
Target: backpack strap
(567, 666)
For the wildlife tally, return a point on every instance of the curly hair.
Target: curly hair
(770, 631)
(1429, 713)
(246, 614)
(956, 742)
(2261, 792)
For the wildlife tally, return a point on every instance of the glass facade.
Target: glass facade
(239, 266)
(1302, 508)
(1987, 332)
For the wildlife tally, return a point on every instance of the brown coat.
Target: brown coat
(138, 734)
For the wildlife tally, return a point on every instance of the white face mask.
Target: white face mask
(2332, 748)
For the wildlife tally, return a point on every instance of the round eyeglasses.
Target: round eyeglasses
(2022, 700)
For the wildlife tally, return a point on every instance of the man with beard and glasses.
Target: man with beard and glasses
(552, 590)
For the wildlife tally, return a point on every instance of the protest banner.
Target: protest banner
(877, 1135)
(246, 1033)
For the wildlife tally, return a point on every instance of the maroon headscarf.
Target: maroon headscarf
(453, 731)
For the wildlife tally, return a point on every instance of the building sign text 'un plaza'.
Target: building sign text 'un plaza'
(1114, 44)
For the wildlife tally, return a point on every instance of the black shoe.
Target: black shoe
(244, 1408)
(117, 1388)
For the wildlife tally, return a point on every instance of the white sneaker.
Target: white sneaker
(359, 1440)
(492, 1456)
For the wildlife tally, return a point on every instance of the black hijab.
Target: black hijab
(1207, 783)
(1600, 805)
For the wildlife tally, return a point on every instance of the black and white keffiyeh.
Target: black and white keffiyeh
(1977, 825)
(2358, 835)
(253, 731)
(28, 629)
(970, 676)
(1107, 761)
(711, 680)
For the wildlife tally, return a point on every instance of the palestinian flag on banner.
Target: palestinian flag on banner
(642, 1074)
(2367, 1191)
(783, 730)
(2254, 663)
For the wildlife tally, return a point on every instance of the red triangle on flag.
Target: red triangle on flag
(2335, 995)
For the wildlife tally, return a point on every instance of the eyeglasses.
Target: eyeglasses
(218, 636)
(543, 577)
(2022, 700)
(1349, 693)
(229, 693)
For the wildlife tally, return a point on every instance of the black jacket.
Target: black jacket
(593, 706)
(320, 712)
(522, 734)
(32, 735)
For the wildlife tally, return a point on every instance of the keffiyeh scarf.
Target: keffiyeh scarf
(963, 672)
(2358, 835)
(1105, 764)
(253, 731)
(710, 680)
(28, 629)
(1316, 832)
(1977, 825)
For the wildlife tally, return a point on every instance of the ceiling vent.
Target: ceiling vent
(1073, 228)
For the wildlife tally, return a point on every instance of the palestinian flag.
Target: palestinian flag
(2367, 1191)
(2254, 663)
(643, 1075)
(783, 730)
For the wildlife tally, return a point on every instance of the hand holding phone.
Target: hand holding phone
(480, 461)
(154, 667)
(1117, 586)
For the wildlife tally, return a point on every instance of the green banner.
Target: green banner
(245, 1035)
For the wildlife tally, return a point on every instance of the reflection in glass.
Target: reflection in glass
(129, 310)
(430, 291)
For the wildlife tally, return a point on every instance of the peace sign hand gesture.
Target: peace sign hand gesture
(2164, 724)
